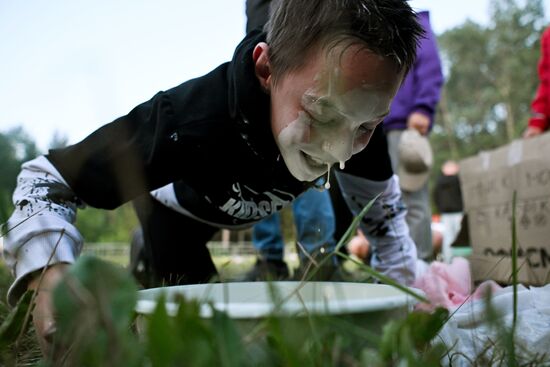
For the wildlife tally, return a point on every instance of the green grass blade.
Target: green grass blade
(383, 278)
(350, 232)
(348, 235)
(511, 335)
(514, 261)
(16, 321)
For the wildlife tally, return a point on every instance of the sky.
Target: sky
(72, 65)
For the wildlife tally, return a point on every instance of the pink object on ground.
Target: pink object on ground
(450, 285)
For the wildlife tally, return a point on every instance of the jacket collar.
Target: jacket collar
(249, 104)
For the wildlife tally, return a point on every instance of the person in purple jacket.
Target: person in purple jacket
(413, 108)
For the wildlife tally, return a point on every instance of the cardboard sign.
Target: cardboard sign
(488, 182)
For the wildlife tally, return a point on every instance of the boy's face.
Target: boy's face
(326, 111)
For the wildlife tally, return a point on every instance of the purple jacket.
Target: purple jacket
(420, 90)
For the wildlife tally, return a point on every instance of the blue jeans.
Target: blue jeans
(314, 221)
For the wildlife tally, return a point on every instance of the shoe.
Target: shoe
(267, 270)
(139, 265)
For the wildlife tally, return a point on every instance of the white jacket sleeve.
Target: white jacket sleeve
(394, 252)
(41, 226)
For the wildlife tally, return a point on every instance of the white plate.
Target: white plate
(250, 300)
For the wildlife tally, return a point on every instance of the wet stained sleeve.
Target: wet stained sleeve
(40, 231)
(394, 252)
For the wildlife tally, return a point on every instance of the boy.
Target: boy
(232, 147)
(312, 213)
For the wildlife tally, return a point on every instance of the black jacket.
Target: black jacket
(211, 137)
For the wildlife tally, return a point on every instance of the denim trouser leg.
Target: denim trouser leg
(268, 239)
(314, 220)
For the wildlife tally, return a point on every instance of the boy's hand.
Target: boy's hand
(419, 121)
(532, 131)
(43, 313)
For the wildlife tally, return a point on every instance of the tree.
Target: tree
(515, 35)
(58, 140)
(7, 178)
(491, 77)
(16, 147)
(98, 225)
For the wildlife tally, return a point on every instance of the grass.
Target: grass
(101, 296)
(335, 332)
(96, 300)
(26, 351)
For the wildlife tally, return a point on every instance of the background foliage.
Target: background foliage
(16, 147)
(490, 80)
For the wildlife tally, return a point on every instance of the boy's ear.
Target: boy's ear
(262, 67)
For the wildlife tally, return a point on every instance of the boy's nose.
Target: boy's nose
(339, 148)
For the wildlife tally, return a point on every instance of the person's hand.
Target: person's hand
(359, 245)
(419, 121)
(43, 313)
(532, 131)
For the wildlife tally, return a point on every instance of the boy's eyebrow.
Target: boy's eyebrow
(319, 105)
(310, 99)
(326, 103)
(320, 102)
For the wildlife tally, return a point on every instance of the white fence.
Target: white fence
(217, 248)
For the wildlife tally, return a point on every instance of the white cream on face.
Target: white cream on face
(310, 145)
(291, 141)
(332, 110)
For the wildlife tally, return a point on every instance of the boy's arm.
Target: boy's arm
(126, 158)
(40, 231)
(43, 315)
(394, 252)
